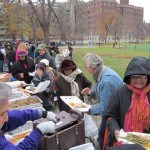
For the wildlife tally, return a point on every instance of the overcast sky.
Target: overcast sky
(141, 3)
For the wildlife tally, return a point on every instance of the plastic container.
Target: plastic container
(17, 93)
(26, 127)
(23, 103)
(87, 146)
(75, 100)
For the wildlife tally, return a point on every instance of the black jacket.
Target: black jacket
(120, 100)
(18, 68)
(49, 58)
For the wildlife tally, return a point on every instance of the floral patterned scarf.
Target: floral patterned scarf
(137, 117)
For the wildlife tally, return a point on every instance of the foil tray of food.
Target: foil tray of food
(135, 137)
(17, 138)
(26, 127)
(75, 103)
(25, 103)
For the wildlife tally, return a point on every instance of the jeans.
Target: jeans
(102, 132)
(1, 65)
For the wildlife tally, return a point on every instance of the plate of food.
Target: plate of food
(75, 103)
(30, 88)
(40, 88)
(135, 137)
(20, 137)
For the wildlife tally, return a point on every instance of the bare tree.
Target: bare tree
(138, 31)
(105, 24)
(116, 27)
(43, 10)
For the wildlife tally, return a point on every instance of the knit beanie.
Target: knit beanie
(41, 66)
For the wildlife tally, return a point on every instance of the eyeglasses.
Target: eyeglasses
(135, 77)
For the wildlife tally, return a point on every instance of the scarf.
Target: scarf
(70, 79)
(24, 63)
(50, 71)
(137, 118)
(99, 69)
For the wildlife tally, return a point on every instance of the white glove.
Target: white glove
(51, 116)
(46, 127)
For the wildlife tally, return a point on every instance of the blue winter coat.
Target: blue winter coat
(107, 81)
(18, 118)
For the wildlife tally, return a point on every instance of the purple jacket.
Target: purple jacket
(18, 118)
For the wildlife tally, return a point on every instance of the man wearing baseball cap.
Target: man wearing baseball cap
(44, 54)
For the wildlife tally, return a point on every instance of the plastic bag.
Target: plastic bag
(91, 129)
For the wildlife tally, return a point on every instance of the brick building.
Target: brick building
(86, 16)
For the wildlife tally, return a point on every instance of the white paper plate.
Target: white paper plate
(40, 88)
(74, 99)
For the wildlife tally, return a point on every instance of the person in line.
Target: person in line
(71, 50)
(66, 54)
(58, 60)
(21, 68)
(106, 80)
(2, 56)
(70, 82)
(9, 56)
(52, 72)
(44, 55)
(40, 76)
(129, 105)
(21, 47)
(30, 49)
(12, 119)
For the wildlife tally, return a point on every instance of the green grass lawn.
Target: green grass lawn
(116, 59)
(139, 47)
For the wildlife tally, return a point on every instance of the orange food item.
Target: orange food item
(147, 146)
(23, 91)
(71, 104)
(19, 136)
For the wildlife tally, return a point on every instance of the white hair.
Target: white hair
(93, 60)
(5, 92)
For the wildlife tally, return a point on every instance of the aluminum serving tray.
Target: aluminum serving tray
(17, 94)
(28, 106)
(26, 127)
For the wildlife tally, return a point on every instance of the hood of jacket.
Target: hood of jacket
(137, 66)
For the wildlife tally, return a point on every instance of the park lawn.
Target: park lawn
(141, 46)
(116, 59)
